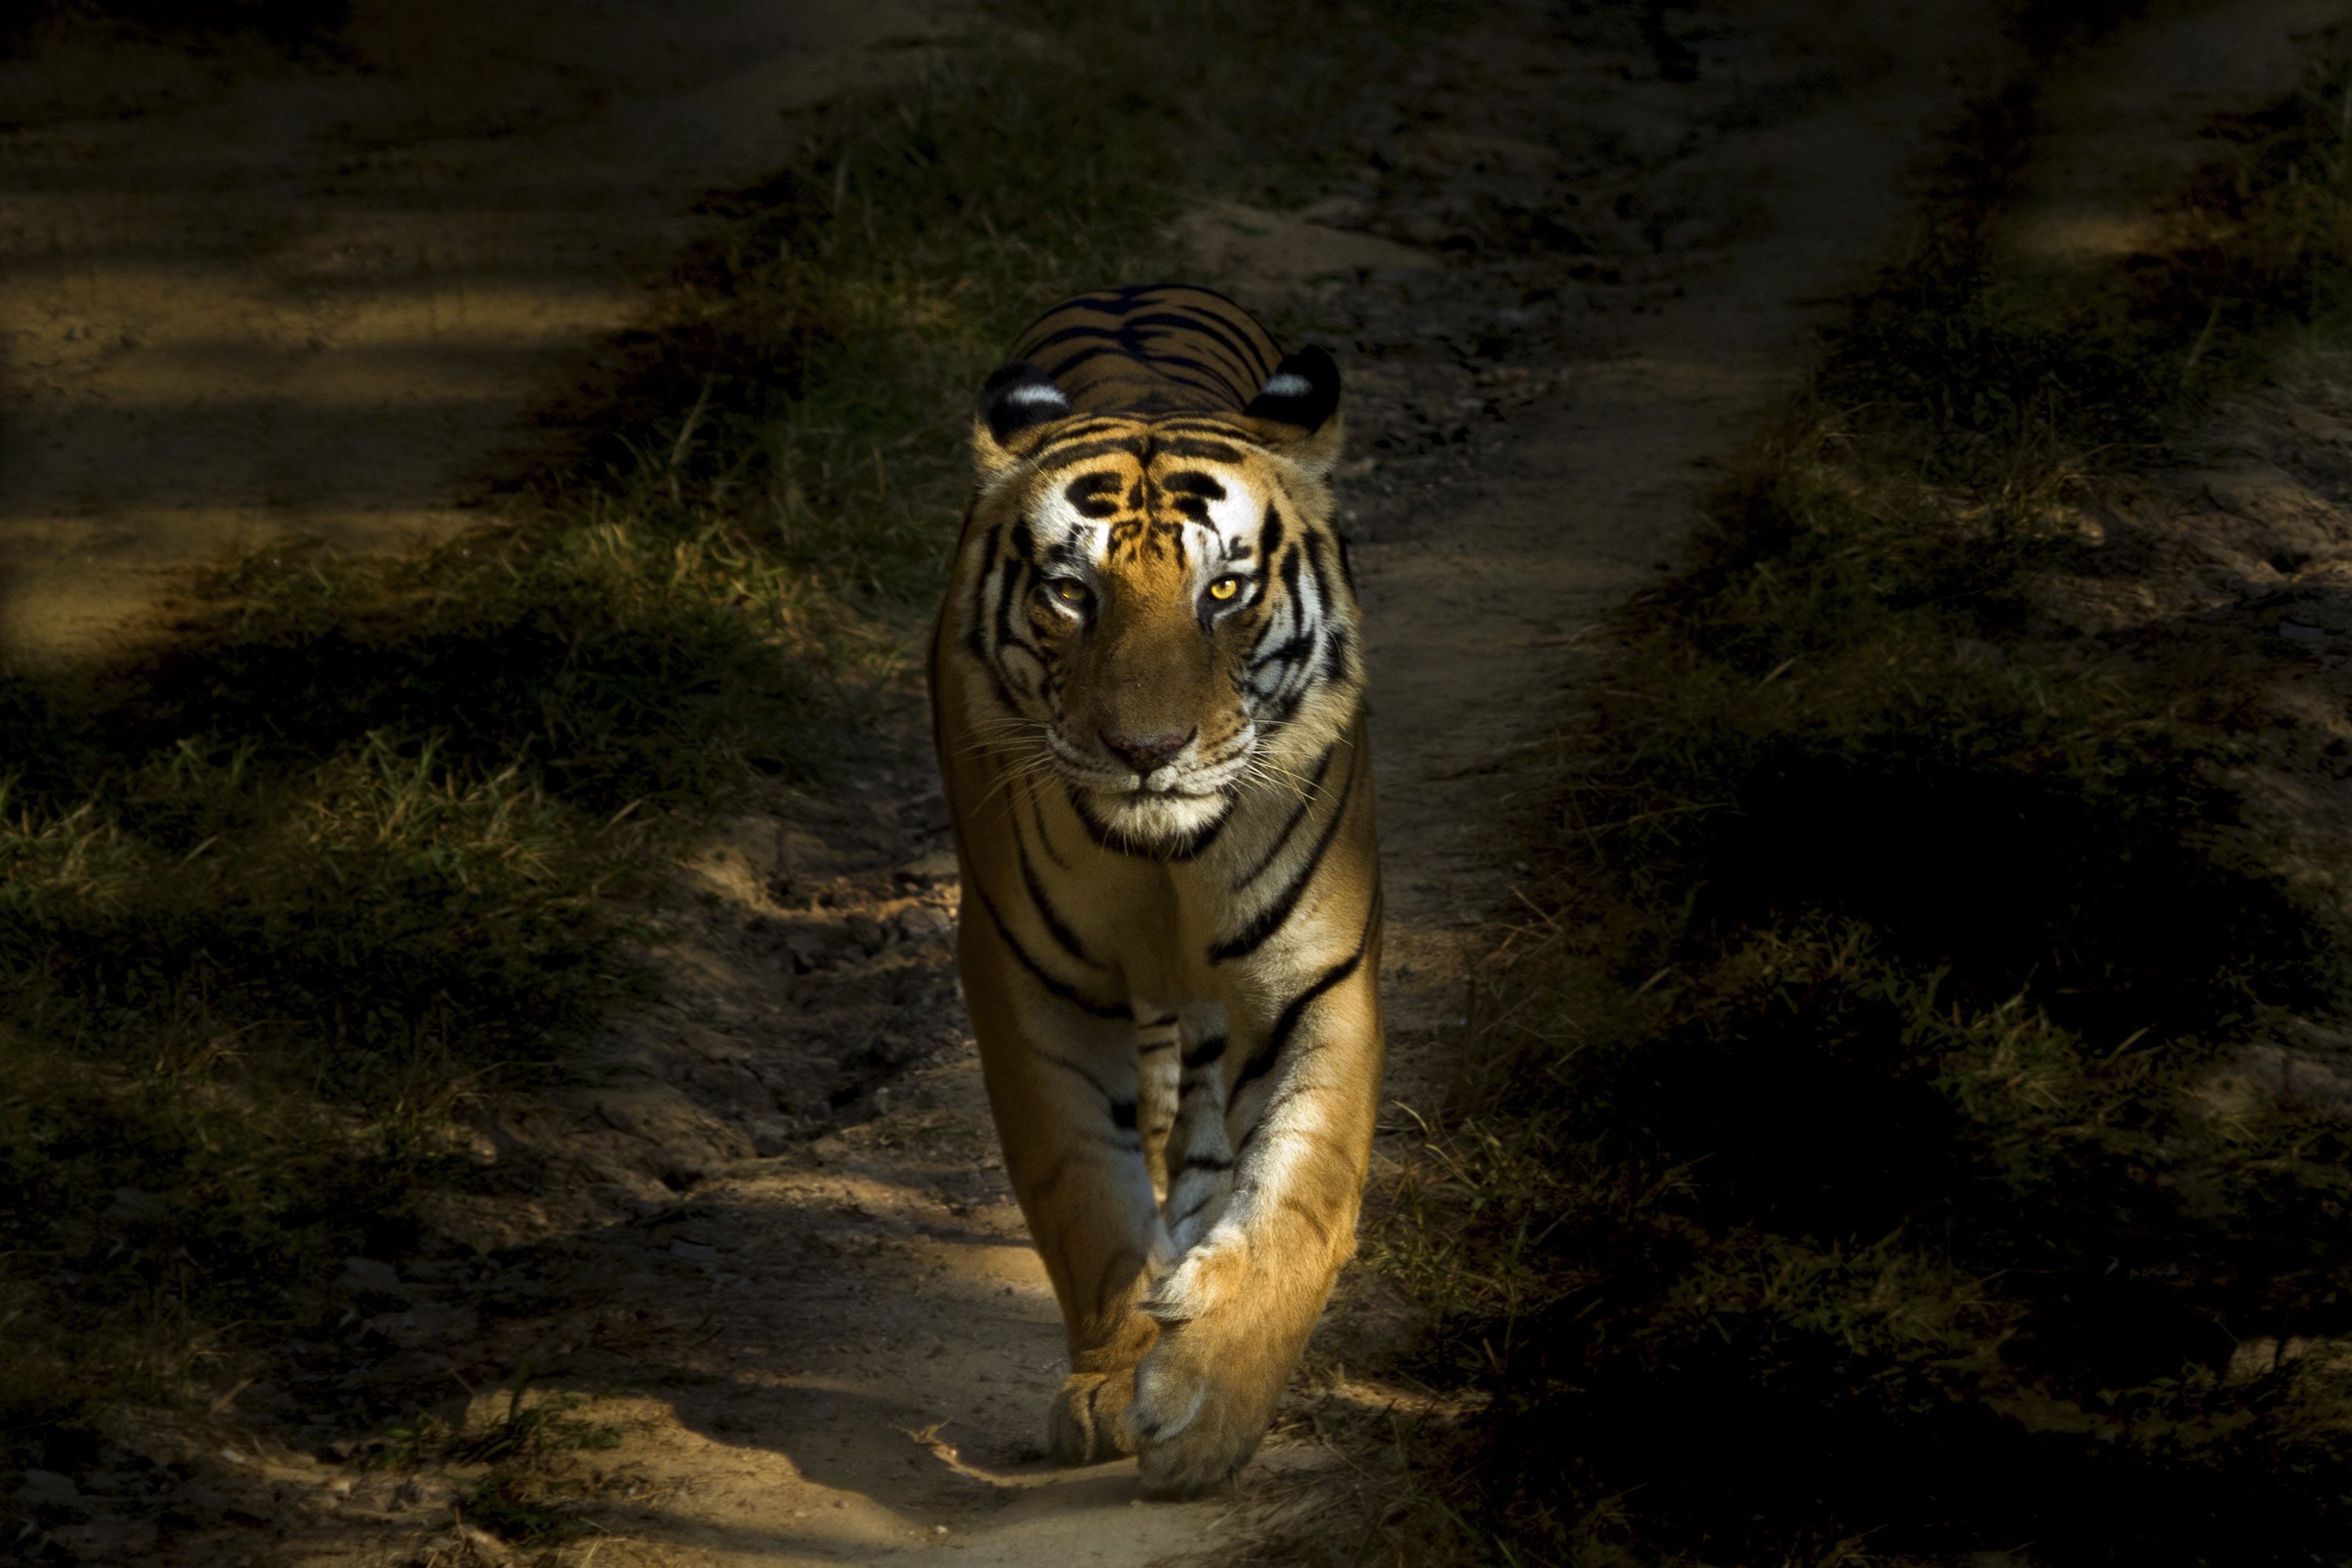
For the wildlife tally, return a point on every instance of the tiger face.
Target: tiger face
(1162, 605)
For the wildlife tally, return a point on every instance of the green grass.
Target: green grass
(1859, 1166)
(281, 894)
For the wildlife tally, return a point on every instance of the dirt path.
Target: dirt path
(770, 1245)
(245, 294)
(838, 1350)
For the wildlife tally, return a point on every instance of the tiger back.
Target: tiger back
(1148, 695)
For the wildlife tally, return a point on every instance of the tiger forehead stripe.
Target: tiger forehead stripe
(1092, 494)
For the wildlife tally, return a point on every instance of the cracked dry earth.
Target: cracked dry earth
(764, 1239)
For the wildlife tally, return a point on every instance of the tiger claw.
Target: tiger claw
(1087, 1423)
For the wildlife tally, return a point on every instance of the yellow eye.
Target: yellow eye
(1070, 590)
(1224, 588)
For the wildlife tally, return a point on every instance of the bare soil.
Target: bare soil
(247, 293)
(764, 1232)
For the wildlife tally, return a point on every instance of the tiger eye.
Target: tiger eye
(1224, 587)
(1070, 589)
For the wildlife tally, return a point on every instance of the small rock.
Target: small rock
(694, 1252)
(922, 921)
(2295, 631)
(46, 1489)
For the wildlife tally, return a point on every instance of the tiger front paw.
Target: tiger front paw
(1206, 1394)
(1087, 1423)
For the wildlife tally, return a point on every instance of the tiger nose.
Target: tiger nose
(1145, 752)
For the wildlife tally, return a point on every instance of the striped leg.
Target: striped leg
(1063, 1083)
(1200, 1156)
(1156, 1042)
(1236, 1311)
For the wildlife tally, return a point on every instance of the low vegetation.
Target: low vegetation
(283, 890)
(1859, 1166)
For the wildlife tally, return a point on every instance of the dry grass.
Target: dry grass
(1839, 1181)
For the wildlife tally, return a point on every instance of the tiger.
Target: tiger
(1148, 686)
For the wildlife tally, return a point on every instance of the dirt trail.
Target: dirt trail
(245, 295)
(770, 1244)
(839, 1350)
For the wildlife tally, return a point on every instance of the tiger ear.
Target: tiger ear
(1016, 402)
(1296, 412)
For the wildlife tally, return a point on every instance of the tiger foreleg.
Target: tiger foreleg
(1063, 1087)
(1234, 1312)
(1158, 1042)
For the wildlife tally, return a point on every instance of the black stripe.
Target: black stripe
(1083, 425)
(1086, 493)
(1204, 1053)
(1207, 451)
(1153, 1047)
(1130, 340)
(1061, 988)
(1212, 330)
(1037, 817)
(1315, 563)
(1287, 654)
(1268, 1054)
(1087, 330)
(1334, 657)
(1122, 1114)
(1269, 534)
(1079, 1069)
(1211, 425)
(1314, 790)
(1206, 1163)
(991, 553)
(1161, 367)
(1277, 909)
(1008, 595)
(1055, 459)
(1047, 915)
(976, 639)
(1190, 298)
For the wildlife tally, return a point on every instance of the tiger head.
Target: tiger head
(1161, 605)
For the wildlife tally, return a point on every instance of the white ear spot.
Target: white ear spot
(1041, 393)
(1289, 383)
